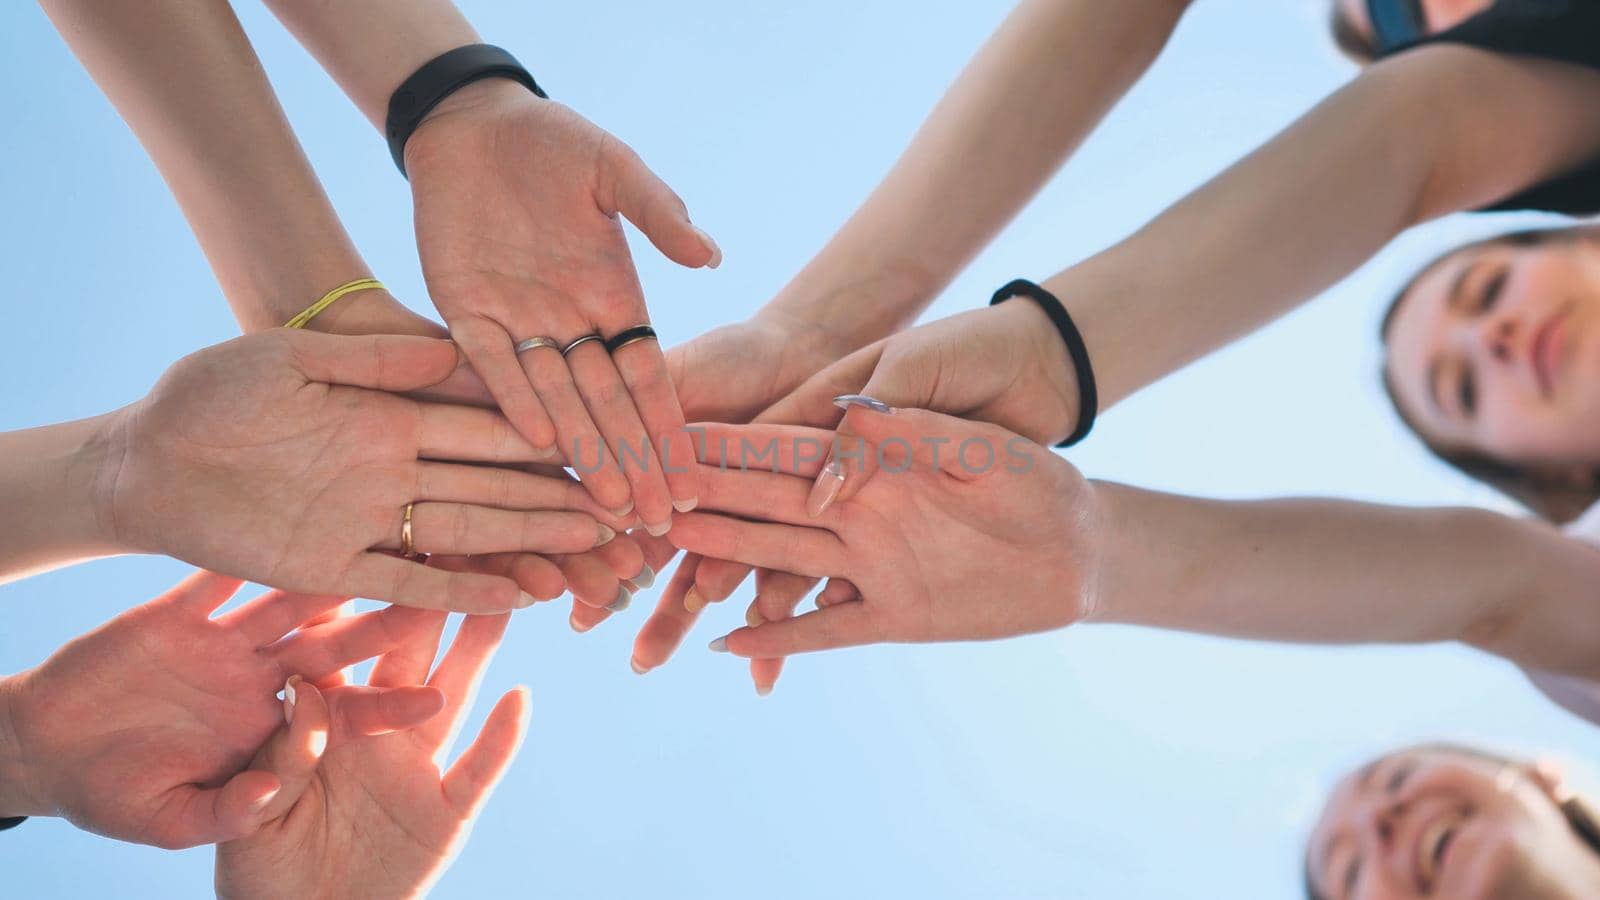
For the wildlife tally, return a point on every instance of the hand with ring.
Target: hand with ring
(283, 458)
(517, 202)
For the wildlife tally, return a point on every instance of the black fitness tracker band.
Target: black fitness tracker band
(439, 78)
(8, 824)
(1396, 23)
(1088, 396)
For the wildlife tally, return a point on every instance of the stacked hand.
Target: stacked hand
(145, 728)
(516, 203)
(281, 458)
(376, 818)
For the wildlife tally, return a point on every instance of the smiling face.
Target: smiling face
(1446, 823)
(1495, 351)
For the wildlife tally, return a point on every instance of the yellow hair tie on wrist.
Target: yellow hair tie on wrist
(304, 317)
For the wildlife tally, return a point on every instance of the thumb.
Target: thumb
(657, 211)
(385, 362)
(294, 751)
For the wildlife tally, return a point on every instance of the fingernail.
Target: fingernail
(526, 600)
(288, 699)
(264, 800)
(828, 484)
(763, 690)
(716, 252)
(720, 645)
(692, 601)
(637, 668)
(624, 599)
(658, 529)
(686, 505)
(622, 511)
(577, 626)
(643, 580)
(845, 401)
(753, 617)
(606, 535)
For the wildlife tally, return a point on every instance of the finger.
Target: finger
(470, 434)
(838, 590)
(846, 625)
(613, 410)
(671, 621)
(777, 595)
(459, 674)
(715, 580)
(409, 663)
(584, 617)
(379, 576)
(473, 777)
(276, 613)
(655, 209)
(644, 371)
(293, 752)
(658, 551)
(755, 494)
(812, 402)
(344, 610)
(902, 438)
(594, 583)
(385, 362)
(457, 528)
(503, 488)
(202, 592)
(537, 576)
(316, 652)
(803, 551)
(365, 711)
(491, 350)
(579, 440)
(785, 449)
(191, 815)
(626, 561)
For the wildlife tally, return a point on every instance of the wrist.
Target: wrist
(1035, 338)
(467, 104)
(1103, 520)
(859, 310)
(373, 312)
(55, 495)
(18, 795)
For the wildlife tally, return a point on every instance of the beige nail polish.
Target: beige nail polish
(637, 668)
(753, 617)
(289, 698)
(577, 626)
(606, 535)
(658, 529)
(525, 600)
(828, 484)
(716, 252)
(692, 601)
(684, 506)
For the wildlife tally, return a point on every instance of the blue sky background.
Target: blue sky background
(1097, 763)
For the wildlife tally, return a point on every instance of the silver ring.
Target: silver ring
(535, 343)
(581, 341)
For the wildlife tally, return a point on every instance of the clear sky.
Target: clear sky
(1097, 763)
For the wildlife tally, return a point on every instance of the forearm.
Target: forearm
(1431, 132)
(51, 488)
(1326, 571)
(1029, 97)
(185, 78)
(15, 797)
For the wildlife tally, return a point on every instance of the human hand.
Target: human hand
(377, 819)
(144, 729)
(516, 201)
(280, 458)
(971, 515)
(376, 311)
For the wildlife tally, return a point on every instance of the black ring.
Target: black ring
(628, 336)
(1088, 395)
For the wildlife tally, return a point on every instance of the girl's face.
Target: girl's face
(1439, 14)
(1434, 823)
(1496, 349)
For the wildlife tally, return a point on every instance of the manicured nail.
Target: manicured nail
(658, 529)
(288, 699)
(264, 800)
(845, 401)
(720, 645)
(606, 535)
(828, 484)
(686, 505)
(716, 252)
(763, 690)
(692, 601)
(526, 600)
(577, 626)
(753, 617)
(624, 598)
(638, 668)
(622, 511)
(644, 580)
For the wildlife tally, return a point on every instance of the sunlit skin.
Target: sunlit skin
(1441, 823)
(1440, 14)
(1496, 350)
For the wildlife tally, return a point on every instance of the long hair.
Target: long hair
(1554, 499)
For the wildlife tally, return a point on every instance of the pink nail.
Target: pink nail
(828, 484)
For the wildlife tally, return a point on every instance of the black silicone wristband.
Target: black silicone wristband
(8, 824)
(439, 78)
(1088, 396)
